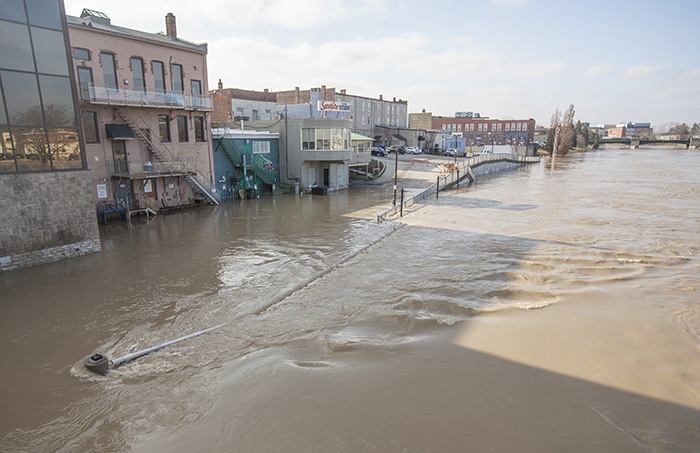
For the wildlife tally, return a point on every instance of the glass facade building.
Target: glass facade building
(38, 120)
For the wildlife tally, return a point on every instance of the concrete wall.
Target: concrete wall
(46, 217)
(492, 167)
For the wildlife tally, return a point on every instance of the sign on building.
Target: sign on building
(333, 106)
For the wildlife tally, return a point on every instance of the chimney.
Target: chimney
(221, 85)
(267, 90)
(170, 27)
(343, 91)
(381, 97)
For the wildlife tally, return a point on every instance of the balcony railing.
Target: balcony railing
(135, 98)
(139, 170)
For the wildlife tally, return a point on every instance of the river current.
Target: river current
(551, 307)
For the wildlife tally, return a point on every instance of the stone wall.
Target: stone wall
(46, 217)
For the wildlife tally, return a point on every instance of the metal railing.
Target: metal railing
(136, 98)
(151, 169)
(465, 171)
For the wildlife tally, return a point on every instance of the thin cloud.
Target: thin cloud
(598, 70)
(643, 71)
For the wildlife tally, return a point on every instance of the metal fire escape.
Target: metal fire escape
(162, 154)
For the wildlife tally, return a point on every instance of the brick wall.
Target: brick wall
(46, 217)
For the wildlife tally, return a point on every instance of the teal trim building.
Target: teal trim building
(246, 163)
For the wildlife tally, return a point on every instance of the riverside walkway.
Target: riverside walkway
(466, 169)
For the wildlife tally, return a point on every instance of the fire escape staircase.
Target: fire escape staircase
(163, 154)
(261, 166)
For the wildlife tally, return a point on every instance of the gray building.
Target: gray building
(47, 208)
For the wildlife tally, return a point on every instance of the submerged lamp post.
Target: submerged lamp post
(100, 363)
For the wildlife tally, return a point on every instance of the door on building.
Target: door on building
(312, 176)
(120, 164)
(327, 177)
(124, 194)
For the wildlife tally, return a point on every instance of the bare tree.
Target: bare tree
(567, 137)
(554, 122)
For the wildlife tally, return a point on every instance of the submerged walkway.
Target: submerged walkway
(467, 170)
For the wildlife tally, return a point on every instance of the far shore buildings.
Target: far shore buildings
(629, 129)
(480, 131)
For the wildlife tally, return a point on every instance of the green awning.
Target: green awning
(357, 137)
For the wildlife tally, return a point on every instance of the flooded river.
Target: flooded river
(547, 308)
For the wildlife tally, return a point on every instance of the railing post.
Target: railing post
(401, 209)
(437, 188)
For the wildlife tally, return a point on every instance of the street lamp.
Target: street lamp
(396, 173)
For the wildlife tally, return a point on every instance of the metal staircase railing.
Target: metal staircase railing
(163, 154)
(198, 187)
(261, 166)
(264, 169)
(230, 151)
(158, 149)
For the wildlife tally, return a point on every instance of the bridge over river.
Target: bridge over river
(636, 142)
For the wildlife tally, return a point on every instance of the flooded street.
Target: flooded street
(547, 308)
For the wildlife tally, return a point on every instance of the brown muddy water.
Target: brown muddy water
(548, 308)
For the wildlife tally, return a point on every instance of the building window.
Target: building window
(90, 127)
(196, 87)
(176, 73)
(182, 129)
(109, 70)
(256, 115)
(519, 127)
(196, 92)
(261, 147)
(137, 74)
(164, 128)
(240, 111)
(500, 127)
(325, 139)
(524, 126)
(81, 54)
(38, 118)
(268, 114)
(308, 139)
(199, 129)
(158, 76)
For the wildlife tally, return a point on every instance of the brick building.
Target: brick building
(481, 131)
(145, 115)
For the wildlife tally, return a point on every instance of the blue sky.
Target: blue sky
(616, 61)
